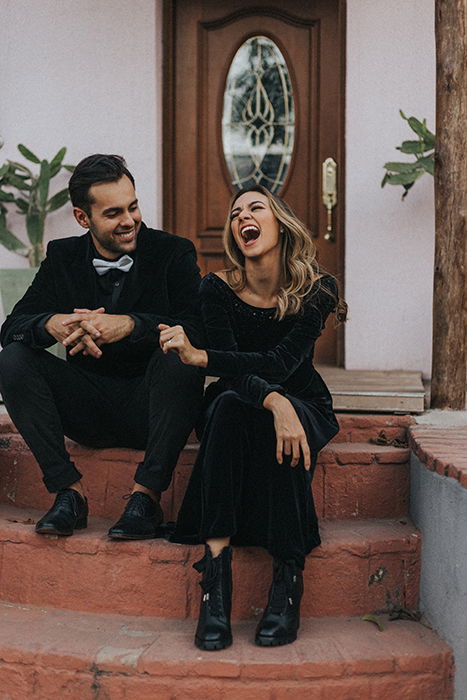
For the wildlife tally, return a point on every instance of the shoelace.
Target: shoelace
(136, 504)
(66, 499)
(210, 569)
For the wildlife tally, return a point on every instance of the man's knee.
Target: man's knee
(170, 371)
(15, 361)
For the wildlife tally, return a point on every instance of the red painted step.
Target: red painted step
(352, 480)
(49, 653)
(354, 427)
(361, 567)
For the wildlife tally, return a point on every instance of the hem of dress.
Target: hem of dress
(235, 542)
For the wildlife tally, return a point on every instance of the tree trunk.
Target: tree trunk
(449, 303)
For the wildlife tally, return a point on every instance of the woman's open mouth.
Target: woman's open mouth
(249, 234)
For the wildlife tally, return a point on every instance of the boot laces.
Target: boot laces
(210, 584)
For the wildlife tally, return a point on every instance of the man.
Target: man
(102, 295)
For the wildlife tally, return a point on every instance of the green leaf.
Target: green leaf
(11, 242)
(18, 182)
(404, 178)
(412, 147)
(58, 157)
(4, 169)
(402, 167)
(417, 126)
(403, 115)
(43, 183)
(384, 180)
(70, 168)
(35, 227)
(406, 190)
(58, 200)
(428, 164)
(6, 196)
(20, 166)
(22, 204)
(29, 155)
(56, 162)
(429, 139)
(374, 620)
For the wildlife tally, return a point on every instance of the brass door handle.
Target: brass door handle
(329, 194)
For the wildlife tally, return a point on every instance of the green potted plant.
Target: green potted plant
(28, 193)
(423, 150)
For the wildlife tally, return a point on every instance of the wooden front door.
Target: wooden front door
(202, 38)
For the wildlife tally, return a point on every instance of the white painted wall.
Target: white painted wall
(86, 74)
(389, 243)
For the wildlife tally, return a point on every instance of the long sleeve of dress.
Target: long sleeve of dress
(277, 364)
(220, 335)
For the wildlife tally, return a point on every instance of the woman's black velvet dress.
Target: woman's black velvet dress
(237, 487)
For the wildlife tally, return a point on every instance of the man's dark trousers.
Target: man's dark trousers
(47, 397)
(133, 395)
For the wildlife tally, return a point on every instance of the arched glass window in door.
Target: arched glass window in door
(258, 116)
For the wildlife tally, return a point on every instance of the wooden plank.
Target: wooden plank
(378, 404)
(384, 391)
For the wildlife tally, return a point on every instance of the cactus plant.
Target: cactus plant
(406, 173)
(29, 192)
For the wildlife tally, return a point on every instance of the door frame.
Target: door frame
(168, 140)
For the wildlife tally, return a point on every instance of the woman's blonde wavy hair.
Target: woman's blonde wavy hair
(300, 271)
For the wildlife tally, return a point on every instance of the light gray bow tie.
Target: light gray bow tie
(102, 266)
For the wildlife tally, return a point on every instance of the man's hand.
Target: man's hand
(61, 326)
(290, 435)
(54, 326)
(91, 329)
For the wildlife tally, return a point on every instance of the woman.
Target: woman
(268, 415)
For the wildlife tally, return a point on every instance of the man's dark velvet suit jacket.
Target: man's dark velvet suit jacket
(162, 288)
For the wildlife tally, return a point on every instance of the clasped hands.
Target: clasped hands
(291, 440)
(85, 330)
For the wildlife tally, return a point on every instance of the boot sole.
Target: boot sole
(274, 642)
(212, 646)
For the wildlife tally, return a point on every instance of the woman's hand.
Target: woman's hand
(290, 436)
(174, 338)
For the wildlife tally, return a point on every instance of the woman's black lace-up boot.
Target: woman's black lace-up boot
(213, 630)
(281, 618)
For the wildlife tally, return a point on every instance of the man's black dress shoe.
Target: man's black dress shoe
(68, 513)
(140, 520)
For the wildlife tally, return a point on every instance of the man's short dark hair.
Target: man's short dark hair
(93, 169)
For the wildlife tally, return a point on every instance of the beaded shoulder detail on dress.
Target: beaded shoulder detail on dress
(212, 282)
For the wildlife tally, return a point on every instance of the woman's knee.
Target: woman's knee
(229, 403)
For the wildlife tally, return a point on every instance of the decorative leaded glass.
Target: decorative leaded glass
(258, 117)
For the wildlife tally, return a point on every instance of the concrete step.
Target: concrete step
(352, 480)
(49, 653)
(361, 567)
